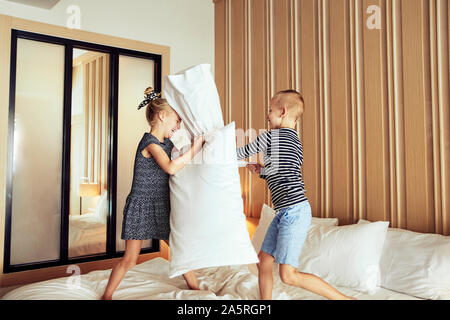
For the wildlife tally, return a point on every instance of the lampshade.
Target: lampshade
(89, 190)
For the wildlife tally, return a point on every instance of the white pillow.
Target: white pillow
(208, 226)
(415, 263)
(207, 221)
(101, 210)
(345, 256)
(266, 217)
(193, 94)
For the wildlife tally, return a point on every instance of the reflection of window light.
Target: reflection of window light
(17, 141)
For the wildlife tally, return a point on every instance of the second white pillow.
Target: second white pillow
(347, 256)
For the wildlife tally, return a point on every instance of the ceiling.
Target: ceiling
(45, 4)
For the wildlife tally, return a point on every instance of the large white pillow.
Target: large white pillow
(193, 94)
(345, 256)
(208, 226)
(415, 263)
(266, 217)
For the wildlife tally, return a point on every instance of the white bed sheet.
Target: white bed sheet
(150, 281)
(86, 235)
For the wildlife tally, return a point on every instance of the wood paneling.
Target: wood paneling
(257, 102)
(96, 71)
(417, 115)
(309, 28)
(221, 52)
(340, 111)
(376, 126)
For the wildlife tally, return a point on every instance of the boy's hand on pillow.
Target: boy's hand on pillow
(254, 167)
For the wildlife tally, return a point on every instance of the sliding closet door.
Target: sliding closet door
(135, 75)
(73, 130)
(37, 153)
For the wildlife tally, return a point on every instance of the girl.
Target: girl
(147, 207)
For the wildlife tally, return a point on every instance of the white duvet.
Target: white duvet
(150, 281)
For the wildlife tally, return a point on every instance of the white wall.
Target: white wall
(186, 26)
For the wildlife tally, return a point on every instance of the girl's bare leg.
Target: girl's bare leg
(265, 279)
(189, 277)
(128, 261)
(290, 276)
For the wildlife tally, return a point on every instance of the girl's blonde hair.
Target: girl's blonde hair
(155, 106)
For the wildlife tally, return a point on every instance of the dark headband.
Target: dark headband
(149, 97)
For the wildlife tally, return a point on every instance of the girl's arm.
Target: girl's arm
(173, 166)
(254, 147)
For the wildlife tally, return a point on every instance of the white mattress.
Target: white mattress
(150, 281)
(86, 235)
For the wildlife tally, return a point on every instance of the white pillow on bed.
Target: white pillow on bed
(345, 256)
(266, 217)
(415, 263)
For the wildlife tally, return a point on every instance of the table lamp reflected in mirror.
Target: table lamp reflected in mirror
(88, 190)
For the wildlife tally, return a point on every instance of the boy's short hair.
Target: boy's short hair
(293, 101)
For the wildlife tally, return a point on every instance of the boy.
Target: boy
(286, 234)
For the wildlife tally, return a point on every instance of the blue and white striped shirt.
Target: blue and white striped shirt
(283, 157)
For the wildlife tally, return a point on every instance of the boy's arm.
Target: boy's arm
(257, 169)
(254, 147)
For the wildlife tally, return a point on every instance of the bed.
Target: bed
(150, 280)
(87, 232)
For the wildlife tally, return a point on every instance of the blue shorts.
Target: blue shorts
(287, 234)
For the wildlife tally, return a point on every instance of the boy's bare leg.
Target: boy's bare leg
(189, 277)
(265, 278)
(191, 280)
(128, 261)
(290, 276)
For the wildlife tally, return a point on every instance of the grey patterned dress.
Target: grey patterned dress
(147, 207)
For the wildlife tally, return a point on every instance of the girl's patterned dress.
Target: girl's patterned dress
(147, 208)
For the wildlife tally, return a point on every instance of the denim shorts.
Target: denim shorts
(287, 234)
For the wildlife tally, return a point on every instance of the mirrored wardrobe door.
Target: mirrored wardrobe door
(135, 75)
(89, 209)
(37, 152)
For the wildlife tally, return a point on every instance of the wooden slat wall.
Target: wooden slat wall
(95, 110)
(376, 128)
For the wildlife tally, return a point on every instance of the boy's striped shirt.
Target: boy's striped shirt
(283, 157)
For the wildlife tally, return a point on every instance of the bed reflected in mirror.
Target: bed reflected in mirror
(89, 207)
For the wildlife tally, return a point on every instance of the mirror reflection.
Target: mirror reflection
(89, 207)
